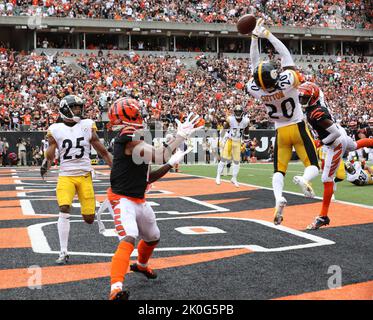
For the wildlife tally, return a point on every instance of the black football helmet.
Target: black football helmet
(350, 168)
(67, 103)
(266, 75)
(238, 112)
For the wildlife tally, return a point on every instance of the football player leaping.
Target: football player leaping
(129, 179)
(333, 137)
(73, 138)
(278, 92)
(238, 126)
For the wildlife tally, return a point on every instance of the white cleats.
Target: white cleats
(234, 181)
(63, 258)
(305, 186)
(280, 205)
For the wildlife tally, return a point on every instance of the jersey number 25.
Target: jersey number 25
(68, 144)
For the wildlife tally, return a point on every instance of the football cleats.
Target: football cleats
(66, 105)
(238, 112)
(127, 112)
(266, 76)
(309, 94)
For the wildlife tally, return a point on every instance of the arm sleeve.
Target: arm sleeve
(254, 53)
(334, 134)
(286, 58)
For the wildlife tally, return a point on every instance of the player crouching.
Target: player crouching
(129, 178)
(333, 137)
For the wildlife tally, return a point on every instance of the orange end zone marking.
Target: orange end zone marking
(9, 194)
(9, 203)
(14, 238)
(357, 291)
(15, 278)
(198, 230)
(299, 216)
(6, 181)
(15, 213)
(199, 186)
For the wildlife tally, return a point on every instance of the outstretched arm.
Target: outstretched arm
(174, 160)
(145, 153)
(287, 61)
(254, 52)
(159, 173)
(262, 32)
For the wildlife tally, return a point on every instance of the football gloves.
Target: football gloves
(260, 31)
(44, 168)
(187, 128)
(178, 156)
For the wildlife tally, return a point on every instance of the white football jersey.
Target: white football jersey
(360, 177)
(236, 128)
(282, 104)
(74, 146)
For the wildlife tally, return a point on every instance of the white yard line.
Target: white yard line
(289, 192)
(40, 243)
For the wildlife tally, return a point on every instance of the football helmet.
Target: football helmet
(66, 105)
(238, 112)
(309, 94)
(350, 167)
(266, 76)
(126, 111)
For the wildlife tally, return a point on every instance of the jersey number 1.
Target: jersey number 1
(68, 144)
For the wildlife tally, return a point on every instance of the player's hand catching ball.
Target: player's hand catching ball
(260, 31)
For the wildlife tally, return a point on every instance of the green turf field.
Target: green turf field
(261, 174)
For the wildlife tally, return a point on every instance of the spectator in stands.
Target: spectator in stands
(299, 13)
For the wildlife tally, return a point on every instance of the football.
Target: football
(246, 24)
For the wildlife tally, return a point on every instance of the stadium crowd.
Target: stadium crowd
(32, 85)
(300, 13)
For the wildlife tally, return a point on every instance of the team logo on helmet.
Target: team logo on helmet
(266, 76)
(66, 105)
(274, 74)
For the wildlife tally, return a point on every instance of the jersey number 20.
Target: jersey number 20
(284, 107)
(68, 144)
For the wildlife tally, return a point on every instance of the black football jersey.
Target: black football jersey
(127, 178)
(315, 115)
